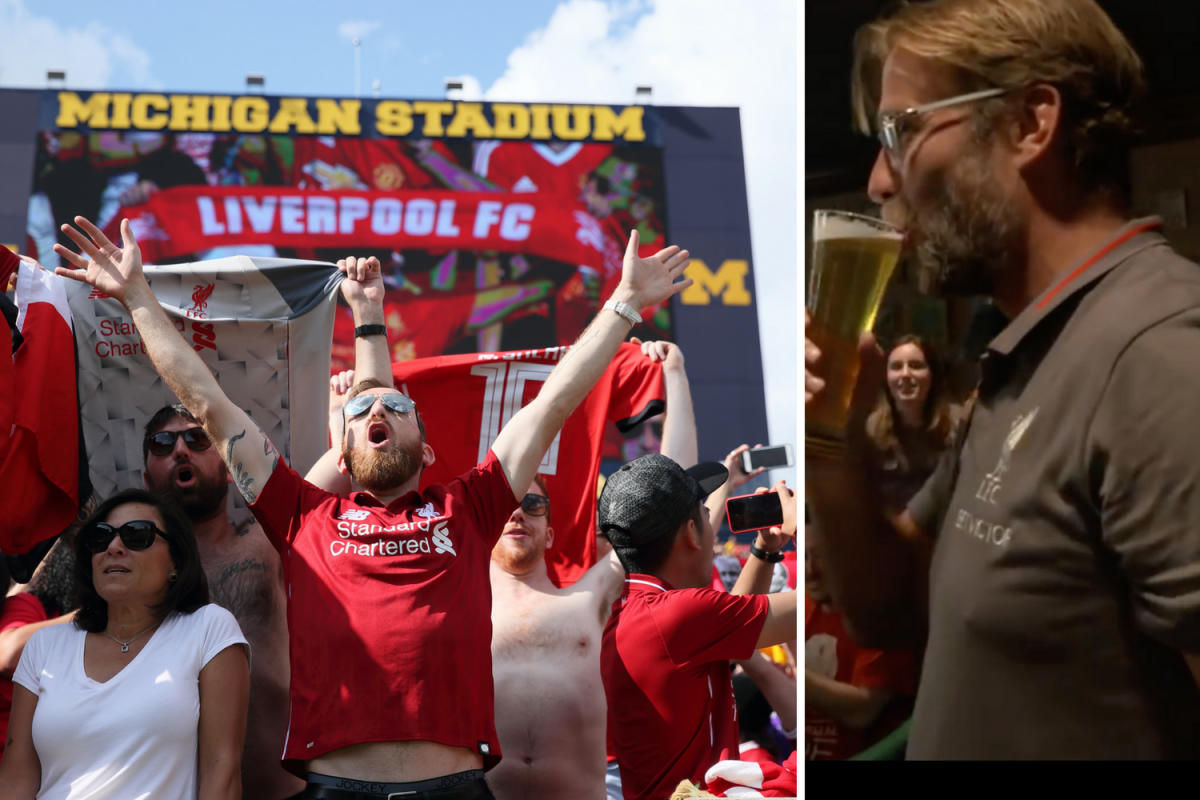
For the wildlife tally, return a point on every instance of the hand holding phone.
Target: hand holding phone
(752, 512)
(779, 455)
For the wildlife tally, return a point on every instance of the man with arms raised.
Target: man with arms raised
(244, 576)
(550, 709)
(387, 589)
(1061, 603)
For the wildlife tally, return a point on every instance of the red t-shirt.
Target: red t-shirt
(389, 610)
(665, 664)
(19, 610)
(830, 651)
(465, 400)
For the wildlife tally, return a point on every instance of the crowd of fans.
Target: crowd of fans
(333, 648)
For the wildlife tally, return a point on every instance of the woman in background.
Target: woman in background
(145, 694)
(914, 422)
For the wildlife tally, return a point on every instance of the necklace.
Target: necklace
(125, 644)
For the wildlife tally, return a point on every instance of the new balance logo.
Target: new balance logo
(427, 511)
(441, 542)
(355, 514)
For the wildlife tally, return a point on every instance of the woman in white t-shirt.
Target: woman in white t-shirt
(144, 695)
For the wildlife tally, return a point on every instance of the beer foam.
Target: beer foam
(840, 227)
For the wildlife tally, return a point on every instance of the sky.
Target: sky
(692, 52)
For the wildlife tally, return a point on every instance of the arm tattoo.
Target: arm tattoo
(240, 476)
(269, 450)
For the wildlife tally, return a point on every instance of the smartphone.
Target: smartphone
(752, 512)
(779, 455)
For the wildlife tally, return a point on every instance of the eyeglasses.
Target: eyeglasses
(163, 442)
(535, 505)
(896, 127)
(135, 535)
(359, 404)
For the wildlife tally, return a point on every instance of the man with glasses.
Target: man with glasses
(388, 602)
(244, 576)
(1052, 562)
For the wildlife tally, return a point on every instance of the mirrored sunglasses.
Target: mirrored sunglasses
(535, 505)
(137, 534)
(360, 404)
(163, 442)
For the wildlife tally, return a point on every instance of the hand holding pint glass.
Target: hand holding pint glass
(852, 260)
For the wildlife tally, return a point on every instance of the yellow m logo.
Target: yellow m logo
(729, 281)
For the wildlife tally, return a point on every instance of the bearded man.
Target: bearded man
(244, 576)
(1052, 562)
(388, 599)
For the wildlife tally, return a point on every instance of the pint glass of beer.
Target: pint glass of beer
(852, 259)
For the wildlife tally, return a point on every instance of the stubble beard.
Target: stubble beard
(967, 235)
(383, 470)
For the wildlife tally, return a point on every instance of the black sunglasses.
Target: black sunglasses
(163, 442)
(535, 505)
(135, 535)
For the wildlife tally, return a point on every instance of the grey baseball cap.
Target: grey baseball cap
(650, 497)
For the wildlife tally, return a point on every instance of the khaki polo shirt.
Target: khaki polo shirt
(1066, 573)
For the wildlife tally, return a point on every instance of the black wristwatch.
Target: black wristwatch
(370, 330)
(763, 555)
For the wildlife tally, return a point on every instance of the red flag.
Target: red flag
(8, 265)
(40, 467)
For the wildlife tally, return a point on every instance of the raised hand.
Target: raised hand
(116, 271)
(776, 536)
(364, 280)
(733, 464)
(661, 350)
(649, 281)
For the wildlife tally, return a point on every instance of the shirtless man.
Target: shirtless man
(546, 663)
(244, 576)
(550, 707)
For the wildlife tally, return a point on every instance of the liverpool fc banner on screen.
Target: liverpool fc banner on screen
(261, 325)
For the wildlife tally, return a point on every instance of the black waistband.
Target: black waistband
(468, 785)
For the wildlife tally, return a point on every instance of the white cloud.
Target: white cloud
(351, 29)
(705, 53)
(93, 55)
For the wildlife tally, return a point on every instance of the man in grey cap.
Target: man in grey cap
(667, 647)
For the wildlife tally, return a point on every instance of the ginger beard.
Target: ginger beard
(518, 555)
(966, 233)
(382, 469)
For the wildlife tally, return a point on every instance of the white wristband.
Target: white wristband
(625, 310)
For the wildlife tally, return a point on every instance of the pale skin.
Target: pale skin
(909, 379)
(245, 577)
(550, 705)
(546, 667)
(132, 583)
(250, 456)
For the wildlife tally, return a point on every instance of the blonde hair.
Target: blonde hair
(1012, 44)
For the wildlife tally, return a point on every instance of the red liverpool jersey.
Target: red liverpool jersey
(389, 610)
(464, 401)
(665, 664)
